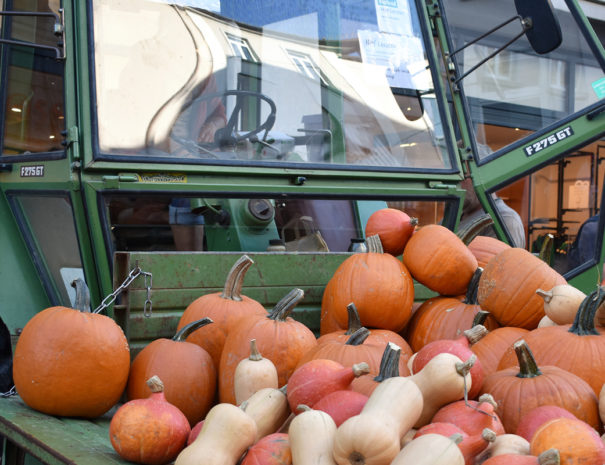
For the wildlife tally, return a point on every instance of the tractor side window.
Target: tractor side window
(562, 199)
(139, 222)
(47, 222)
(32, 106)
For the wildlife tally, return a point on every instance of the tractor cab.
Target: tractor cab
(211, 128)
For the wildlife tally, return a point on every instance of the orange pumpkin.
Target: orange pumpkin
(578, 348)
(273, 449)
(279, 338)
(437, 258)
(507, 288)
(394, 227)
(445, 317)
(223, 308)
(357, 349)
(149, 431)
(520, 389)
(490, 348)
(379, 284)
(575, 440)
(484, 248)
(70, 362)
(187, 371)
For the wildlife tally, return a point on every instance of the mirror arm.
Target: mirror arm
(526, 24)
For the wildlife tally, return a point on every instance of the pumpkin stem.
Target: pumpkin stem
(304, 408)
(389, 363)
(549, 457)
(480, 318)
(374, 244)
(488, 399)
(284, 389)
(463, 368)
(473, 288)
(186, 330)
(354, 322)
(546, 295)
(457, 438)
(546, 250)
(528, 368)
(360, 369)
(235, 279)
(475, 334)
(284, 307)
(155, 384)
(583, 323)
(255, 355)
(358, 337)
(488, 435)
(82, 300)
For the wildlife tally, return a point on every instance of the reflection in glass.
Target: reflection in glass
(34, 108)
(519, 88)
(52, 235)
(563, 199)
(145, 222)
(303, 83)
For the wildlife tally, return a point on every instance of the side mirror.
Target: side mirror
(543, 32)
(539, 24)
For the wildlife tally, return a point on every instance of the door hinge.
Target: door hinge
(450, 188)
(113, 181)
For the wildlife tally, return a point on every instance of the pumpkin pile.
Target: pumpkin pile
(502, 365)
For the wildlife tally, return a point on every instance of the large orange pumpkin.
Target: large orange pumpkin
(507, 288)
(70, 362)
(379, 284)
(186, 370)
(518, 390)
(578, 348)
(279, 338)
(439, 259)
(223, 308)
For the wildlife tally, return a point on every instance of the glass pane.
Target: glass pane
(562, 199)
(146, 222)
(34, 108)
(305, 82)
(519, 88)
(52, 235)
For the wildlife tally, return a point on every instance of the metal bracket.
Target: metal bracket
(58, 30)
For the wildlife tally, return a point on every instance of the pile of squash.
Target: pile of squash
(502, 366)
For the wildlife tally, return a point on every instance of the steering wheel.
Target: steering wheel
(226, 136)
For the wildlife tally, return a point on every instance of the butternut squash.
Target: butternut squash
(561, 303)
(374, 436)
(227, 432)
(444, 379)
(504, 444)
(269, 409)
(311, 436)
(431, 449)
(252, 374)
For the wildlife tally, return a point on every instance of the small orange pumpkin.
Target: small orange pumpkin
(393, 226)
(149, 431)
(187, 371)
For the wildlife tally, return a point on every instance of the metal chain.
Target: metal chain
(134, 274)
(11, 392)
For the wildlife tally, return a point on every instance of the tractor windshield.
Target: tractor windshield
(264, 83)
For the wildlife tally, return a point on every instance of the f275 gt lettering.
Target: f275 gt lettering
(549, 140)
